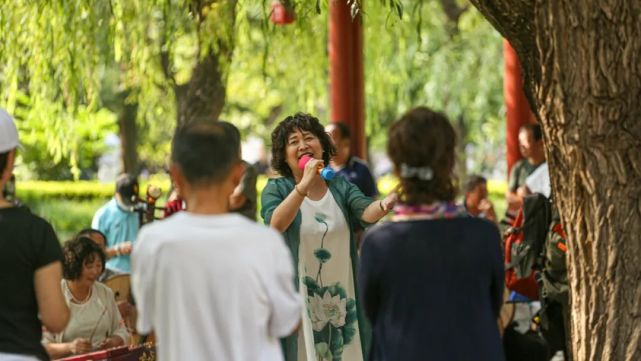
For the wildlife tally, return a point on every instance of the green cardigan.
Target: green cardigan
(352, 203)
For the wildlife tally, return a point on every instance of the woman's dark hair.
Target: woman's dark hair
(280, 135)
(425, 140)
(78, 252)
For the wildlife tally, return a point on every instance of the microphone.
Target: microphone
(326, 173)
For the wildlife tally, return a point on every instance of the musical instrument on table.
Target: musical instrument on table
(146, 352)
(121, 287)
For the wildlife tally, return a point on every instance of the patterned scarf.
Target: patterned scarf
(436, 210)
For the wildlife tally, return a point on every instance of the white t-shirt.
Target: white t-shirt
(539, 181)
(324, 227)
(214, 288)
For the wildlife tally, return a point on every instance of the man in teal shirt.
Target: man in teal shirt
(120, 223)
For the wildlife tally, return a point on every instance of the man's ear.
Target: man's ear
(178, 178)
(8, 169)
(237, 173)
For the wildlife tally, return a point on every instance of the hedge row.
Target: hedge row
(80, 190)
(85, 190)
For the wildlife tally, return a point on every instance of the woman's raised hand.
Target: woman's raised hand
(310, 173)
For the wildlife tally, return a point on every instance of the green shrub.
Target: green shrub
(70, 206)
(67, 216)
(81, 190)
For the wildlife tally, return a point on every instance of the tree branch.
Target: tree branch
(514, 19)
(164, 55)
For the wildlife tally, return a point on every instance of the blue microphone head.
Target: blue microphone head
(327, 173)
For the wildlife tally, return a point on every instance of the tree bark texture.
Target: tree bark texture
(128, 137)
(582, 64)
(202, 98)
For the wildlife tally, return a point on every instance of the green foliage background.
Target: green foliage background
(65, 64)
(68, 67)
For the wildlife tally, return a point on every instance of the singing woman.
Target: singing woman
(314, 216)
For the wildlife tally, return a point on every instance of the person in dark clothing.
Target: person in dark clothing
(348, 165)
(431, 280)
(30, 268)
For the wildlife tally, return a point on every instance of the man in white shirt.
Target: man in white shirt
(539, 181)
(212, 284)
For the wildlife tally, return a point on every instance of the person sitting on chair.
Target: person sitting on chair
(126, 307)
(95, 321)
(475, 199)
(101, 240)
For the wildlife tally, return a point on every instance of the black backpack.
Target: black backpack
(524, 244)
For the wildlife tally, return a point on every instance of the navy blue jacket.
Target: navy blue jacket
(432, 290)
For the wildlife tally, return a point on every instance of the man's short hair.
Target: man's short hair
(205, 152)
(473, 181)
(343, 130)
(127, 187)
(534, 129)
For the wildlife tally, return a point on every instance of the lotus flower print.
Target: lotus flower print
(332, 309)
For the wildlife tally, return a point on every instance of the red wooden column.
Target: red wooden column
(517, 108)
(347, 100)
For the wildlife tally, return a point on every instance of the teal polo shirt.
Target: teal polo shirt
(120, 226)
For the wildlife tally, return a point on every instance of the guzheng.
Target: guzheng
(144, 352)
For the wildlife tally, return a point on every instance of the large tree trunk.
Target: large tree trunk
(582, 65)
(203, 97)
(128, 136)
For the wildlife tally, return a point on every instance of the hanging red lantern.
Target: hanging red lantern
(282, 14)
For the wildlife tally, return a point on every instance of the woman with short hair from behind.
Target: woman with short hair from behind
(432, 279)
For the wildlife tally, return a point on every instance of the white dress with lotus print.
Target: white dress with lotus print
(329, 330)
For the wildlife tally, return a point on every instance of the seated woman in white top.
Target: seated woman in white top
(95, 322)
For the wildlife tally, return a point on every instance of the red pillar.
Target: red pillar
(347, 100)
(517, 108)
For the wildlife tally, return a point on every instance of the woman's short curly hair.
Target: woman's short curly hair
(424, 138)
(280, 135)
(78, 252)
